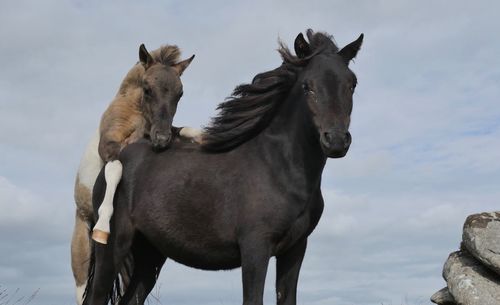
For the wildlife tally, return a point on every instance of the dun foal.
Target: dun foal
(144, 106)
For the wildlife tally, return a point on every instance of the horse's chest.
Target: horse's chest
(301, 226)
(296, 231)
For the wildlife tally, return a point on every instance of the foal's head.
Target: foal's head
(328, 85)
(162, 89)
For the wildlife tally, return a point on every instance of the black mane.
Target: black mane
(251, 107)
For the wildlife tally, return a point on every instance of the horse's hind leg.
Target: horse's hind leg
(109, 260)
(80, 256)
(147, 265)
(287, 273)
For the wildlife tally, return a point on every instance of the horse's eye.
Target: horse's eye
(147, 91)
(181, 94)
(307, 89)
(353, 87)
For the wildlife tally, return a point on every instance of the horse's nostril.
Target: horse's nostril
(347, 139)
(340, 140)
(327, 137)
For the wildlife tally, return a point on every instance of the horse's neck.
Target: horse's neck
(291, 141)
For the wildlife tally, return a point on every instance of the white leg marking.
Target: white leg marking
(80, 290)
(191, 133)
(113, 174)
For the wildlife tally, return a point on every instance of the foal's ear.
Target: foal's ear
(145, 58)
(182, 65)
(301, 46)
(350, 50)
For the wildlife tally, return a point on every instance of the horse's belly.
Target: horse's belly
(200, 255)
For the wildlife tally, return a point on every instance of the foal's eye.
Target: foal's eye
(147, 91)
(181, 94)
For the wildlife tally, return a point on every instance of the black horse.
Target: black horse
(249, 192)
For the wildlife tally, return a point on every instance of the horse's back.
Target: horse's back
(132, 155)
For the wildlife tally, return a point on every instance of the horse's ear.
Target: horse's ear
(145, 58)
(301, 46)
(182, 65)
(349, 51)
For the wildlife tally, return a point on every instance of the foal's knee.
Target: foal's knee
(113, 172)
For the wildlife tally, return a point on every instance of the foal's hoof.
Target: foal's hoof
(100, 236)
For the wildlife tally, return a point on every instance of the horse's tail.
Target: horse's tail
(124, 276)
(121, 282)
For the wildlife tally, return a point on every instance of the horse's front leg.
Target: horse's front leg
(287, 273)
(255, 256)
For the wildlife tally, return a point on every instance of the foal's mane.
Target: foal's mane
(251, 107)
(168, 55)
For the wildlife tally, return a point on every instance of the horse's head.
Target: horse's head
(162, 89)
(328, 85)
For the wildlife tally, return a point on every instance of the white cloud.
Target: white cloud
(35, 231)
(23, 209)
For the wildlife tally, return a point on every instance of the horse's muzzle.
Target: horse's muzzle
(335, 144)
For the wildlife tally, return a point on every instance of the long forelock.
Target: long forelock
(318, 42)
(167, 55)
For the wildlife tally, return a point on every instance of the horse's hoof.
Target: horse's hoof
(100, 236)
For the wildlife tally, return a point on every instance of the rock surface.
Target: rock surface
(443, 297)
(469, 282)
(481, 237)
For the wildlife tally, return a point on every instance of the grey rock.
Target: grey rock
(443, 297)
(469, 282)
(481, 237)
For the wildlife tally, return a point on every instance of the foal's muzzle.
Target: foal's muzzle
(335, 144)
(161, 140)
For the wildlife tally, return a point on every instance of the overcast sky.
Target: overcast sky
(425, 126)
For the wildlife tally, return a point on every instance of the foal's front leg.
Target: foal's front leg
(112, 174)
(287, 273)
(255, 256)
(194, 134)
